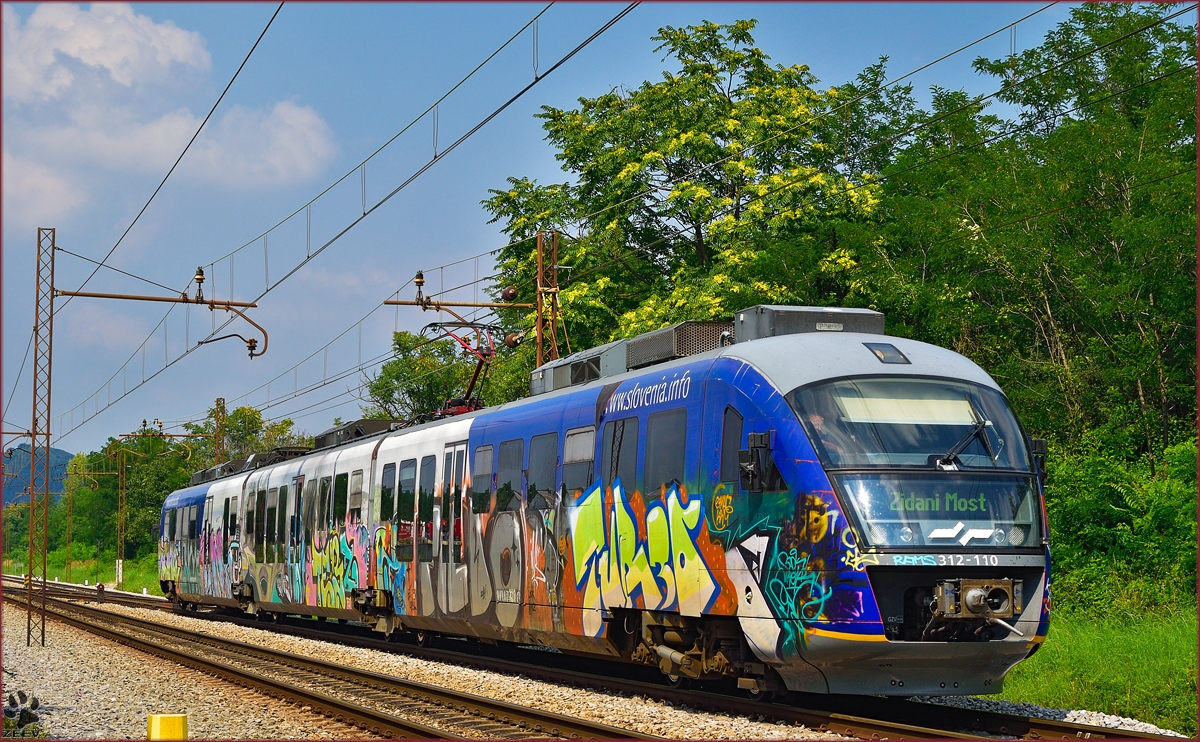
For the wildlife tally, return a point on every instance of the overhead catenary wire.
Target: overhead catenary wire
(177, 160)
(625, 11)
(1001, 135)
(979, 100)
(307, 206)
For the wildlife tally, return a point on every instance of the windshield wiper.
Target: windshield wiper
(976, 431)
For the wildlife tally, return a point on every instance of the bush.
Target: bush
(1123, 535)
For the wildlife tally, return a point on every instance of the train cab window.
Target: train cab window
(666, 448)
(233, 519)
(543, 470)
(481, 480)
(404, 510)
(731, 443)
(618, 456)
(172, 519)
(425, 489)
(341, 487)
(281, 517)
(577, 466)
(354, 511)
(387, 492)
(508, 475)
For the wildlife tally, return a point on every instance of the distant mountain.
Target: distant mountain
(18, 464)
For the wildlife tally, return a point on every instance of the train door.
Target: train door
(209, 543)
(295, 522)
(428, 513)
(452, 570)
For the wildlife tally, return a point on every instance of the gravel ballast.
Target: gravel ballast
(1071, 716)
(93, 688)
(630, 712)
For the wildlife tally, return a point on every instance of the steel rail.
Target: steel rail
(374, 721)
(867, 717)
(895, 718)
(496, 714)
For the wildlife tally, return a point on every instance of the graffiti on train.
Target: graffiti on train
(628, 554)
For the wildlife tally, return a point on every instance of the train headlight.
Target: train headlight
(1016, 535)
(878, 535)
(906, 535)
(998, 536)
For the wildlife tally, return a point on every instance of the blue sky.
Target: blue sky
(99, 101)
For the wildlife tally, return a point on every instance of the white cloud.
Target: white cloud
(36, 195)
(132, 48)
(244, 148)
(100, 326)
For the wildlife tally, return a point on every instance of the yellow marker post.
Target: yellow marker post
(166, 726)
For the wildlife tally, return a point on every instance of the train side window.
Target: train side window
(249, 519)
(297, 511)
(666, 447)
(405, 496)
(731, 443)
(191, 522)
(354, 512)
(225, 531)
(281, 516)
(481, 480)
(578, 451)
(269, 523)
(618, 456)
(172, 519)
(233, 519)
(404, 510)
(325, 496)
(508, 475)
(260, 524)
(310, 509)
(341, 487)
(425, 508)
(387, 492)
(543, 470)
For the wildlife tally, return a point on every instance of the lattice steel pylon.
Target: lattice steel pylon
(39, 449)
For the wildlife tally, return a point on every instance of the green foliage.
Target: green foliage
(421, 378)
(1123, 538)
(1142, 668)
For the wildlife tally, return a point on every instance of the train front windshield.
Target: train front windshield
(924, 462)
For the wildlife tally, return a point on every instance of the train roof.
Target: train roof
(795, 360)
(792, 361)
(187, 496)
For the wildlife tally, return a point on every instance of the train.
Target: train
(790, 501)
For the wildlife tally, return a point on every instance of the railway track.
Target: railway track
(364, 699)
(855, 716)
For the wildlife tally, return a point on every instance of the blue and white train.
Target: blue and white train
(790, 501)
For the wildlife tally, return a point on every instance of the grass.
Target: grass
(139, 573)
(1144, 669)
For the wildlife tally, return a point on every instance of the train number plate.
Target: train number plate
(967, 560)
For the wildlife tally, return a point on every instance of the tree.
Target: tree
(246, 432)
(728, 183)
(423, 375)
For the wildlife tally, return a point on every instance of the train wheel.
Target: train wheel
(679, 681)
(762, 696)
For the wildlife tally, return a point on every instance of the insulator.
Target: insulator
(509, 293)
